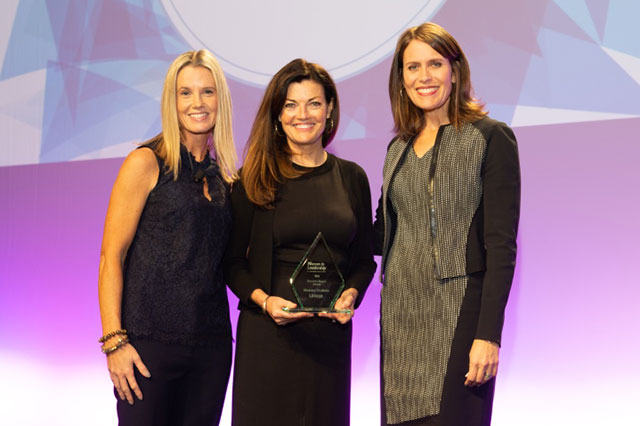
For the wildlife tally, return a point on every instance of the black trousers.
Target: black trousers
(186, 388)
(425, 421)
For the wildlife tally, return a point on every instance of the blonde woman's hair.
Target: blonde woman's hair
(167, 144)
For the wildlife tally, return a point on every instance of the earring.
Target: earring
(275, 129)
(401, 92)
(330, 120)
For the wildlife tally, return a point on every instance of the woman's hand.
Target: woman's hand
(137, 176)
(273, 308)
(120, 365)
(483, 362)
(347, 300)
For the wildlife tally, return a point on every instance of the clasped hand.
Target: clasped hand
(274, 307)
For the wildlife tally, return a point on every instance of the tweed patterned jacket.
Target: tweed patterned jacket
(477, 206)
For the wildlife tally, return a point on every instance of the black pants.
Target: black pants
(186, 388)
(425, 421)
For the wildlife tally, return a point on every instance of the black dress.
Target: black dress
(300, 374)
(477, 203)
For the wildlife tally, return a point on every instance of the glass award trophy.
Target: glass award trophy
(317, 282)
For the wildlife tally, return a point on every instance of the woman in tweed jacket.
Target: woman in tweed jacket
(446, 228)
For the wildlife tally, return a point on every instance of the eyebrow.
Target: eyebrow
(310, 99)
(189, 88)
(418, 61)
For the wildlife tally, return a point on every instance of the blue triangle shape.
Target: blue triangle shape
(574, 74)
(31, 43)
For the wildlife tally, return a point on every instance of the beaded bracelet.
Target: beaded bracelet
(120, 332)
(121, 343)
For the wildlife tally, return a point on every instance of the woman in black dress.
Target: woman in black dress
(446, 228)
(163, 302)
(295, 368)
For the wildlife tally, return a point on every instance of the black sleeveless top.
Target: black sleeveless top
(173, 286)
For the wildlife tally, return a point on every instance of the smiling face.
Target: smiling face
(304, 114)
(427, 78)
(196, 101)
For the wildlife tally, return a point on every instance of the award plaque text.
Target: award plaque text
(317, 281)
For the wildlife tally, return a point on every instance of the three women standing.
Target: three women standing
(446, 228)
(163, 301)
(295, 368)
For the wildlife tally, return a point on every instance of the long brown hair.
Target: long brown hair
(463, 107)
(167, 143)
(267, 163)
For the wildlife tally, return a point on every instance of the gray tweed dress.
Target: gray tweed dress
(419, 312)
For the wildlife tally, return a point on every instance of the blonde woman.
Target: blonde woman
(163, 304)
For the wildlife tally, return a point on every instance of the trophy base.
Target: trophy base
(317, 310)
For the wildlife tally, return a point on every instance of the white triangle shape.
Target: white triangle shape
(22, 143)
(7, 17)
(629, 63)
(113, 151)
(536, 116)
(21, 114)
(353, 130)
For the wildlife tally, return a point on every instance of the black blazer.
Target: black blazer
(250, 251)
(482, 160)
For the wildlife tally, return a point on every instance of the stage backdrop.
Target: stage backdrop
(80, 83)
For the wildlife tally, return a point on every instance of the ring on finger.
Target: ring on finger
(487, 376)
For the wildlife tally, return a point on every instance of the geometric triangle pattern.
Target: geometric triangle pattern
(564, 55)
(629, 64)
(576, 74)
(103, 65)
(99, 68)
(578, 11)
(536, 116)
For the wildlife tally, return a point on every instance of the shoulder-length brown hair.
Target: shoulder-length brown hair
(409, 120)
(167, 143)
(267, 163)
